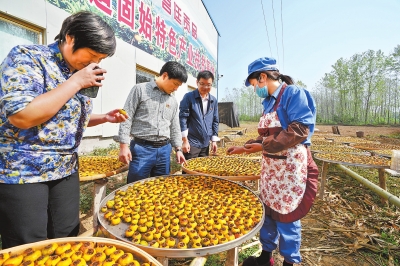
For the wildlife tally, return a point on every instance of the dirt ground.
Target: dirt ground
(350, 131)
(346, 131)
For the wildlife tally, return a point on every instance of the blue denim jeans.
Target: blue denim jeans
(148, 161)
(288, 235)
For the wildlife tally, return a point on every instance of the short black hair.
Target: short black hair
(255, 75)
(175, 71)
(205, 74)
(89, 31)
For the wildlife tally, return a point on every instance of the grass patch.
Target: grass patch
(212, 260)
(394, 135)
(389, 238)
(104, 151)
(247, 253)
(174, 166)
(86, 198)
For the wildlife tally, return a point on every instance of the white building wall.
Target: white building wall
(31, 11)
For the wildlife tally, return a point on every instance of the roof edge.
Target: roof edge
(215, 26)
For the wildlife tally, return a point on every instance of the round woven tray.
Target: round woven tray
(241, 157)
(351, 164)
(137, 253)
(365, 148)
(118, 231)
(104, 175)
(232, 178)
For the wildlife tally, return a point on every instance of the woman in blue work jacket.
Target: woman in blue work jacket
(289, 175)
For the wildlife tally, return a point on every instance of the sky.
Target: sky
(315, 34)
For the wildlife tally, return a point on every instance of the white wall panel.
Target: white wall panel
(31, 11)
(120, 78)
(55, 17)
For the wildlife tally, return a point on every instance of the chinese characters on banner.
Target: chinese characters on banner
(168, 28)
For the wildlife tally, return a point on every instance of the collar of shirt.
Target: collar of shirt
(154, 86)
(60, 59)
(270, 100)
(197, 95)
(204, 101)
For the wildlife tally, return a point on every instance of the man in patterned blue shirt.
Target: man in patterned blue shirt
(42, 119)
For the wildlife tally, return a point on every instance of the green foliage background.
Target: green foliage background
(361, 90)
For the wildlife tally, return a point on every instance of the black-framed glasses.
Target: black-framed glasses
(205, 85)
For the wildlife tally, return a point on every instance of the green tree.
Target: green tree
(301, 84)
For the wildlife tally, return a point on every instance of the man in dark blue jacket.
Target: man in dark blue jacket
(198, 116)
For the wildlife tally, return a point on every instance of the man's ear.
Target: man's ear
(164, 76)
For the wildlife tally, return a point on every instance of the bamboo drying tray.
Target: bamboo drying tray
(103, 175)
(232, 178)
(228, 176)
(118, 231)
(137, 253)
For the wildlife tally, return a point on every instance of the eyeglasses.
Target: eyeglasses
(205, 85)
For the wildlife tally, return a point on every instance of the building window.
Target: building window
(144, 74)
(14, 32)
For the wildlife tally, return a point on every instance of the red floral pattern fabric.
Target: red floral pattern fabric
(283, 181)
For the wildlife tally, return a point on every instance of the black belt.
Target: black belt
(273, 156)
(155, 144)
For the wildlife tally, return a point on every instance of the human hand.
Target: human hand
(214, 147)
(180, 158)
(88, 76)
(125, 155)
(116, 116)
(252, 148)
(235, 150)
(186, 147)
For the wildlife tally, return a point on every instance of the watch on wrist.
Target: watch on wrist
(178, 149)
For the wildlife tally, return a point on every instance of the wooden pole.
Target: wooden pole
(377, 189)
(199, 261)
(324, 172)
(232, 257)
(100, 186)
(382, 183)
(163, 260)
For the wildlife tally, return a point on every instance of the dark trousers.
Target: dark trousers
(196, 152)
(148, 161)
(38, 211)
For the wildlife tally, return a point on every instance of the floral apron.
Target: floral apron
(284, 174)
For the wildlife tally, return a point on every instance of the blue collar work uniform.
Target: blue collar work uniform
(296, 105)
